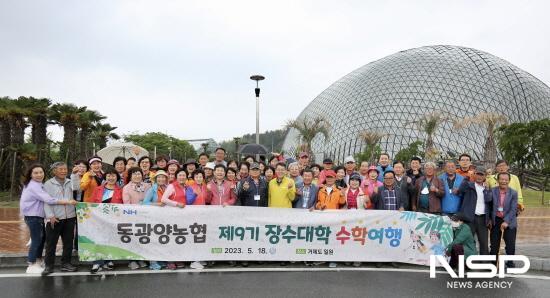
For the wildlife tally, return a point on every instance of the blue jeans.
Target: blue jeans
(37, 231)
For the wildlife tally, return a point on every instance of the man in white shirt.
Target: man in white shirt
(476, 208)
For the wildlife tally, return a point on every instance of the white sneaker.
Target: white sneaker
(40, 262)
(133, 265)
(203, 263)
(332, 265)
(34, 269)
(142, 264)
(196, 265)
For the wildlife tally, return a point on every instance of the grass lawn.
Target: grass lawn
(532, 198)
(5, 201)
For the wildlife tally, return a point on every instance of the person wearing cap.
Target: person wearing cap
(430, 190)
(154, 194)
(451, 199)
(306, 193)
(355, 196)
(388, 197)
(172, 167)
(220, 191)
(502, 167)
(252, 190)
(476, 207)
(349, 165)
(209, 171)
(219, 157)
(93, 178)
(327, 166)
(463, 241)
(281, 190)
(371, 184)
(190, 165)
(415, 169)
(303, 161)
(504, 216)
(383, 165)
(61, 219)
(329, 196)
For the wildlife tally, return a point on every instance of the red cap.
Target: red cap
(303, 154)
(330, 173)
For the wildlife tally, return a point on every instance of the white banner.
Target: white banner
(211, 233)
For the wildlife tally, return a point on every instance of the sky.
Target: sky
(183, 67)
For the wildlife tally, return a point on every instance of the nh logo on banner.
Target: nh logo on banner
(480, 262)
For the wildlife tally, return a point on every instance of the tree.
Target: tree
(489, 121)
(429, 123)
(87, 120)
(5, 142)
(38, 117)
(527, 145)
(308, 130)
(17, 110)
(372, 148)
(67, 116)
(101, 133)
(165, 144)
(406, 154)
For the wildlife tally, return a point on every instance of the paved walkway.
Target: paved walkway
(533, 233)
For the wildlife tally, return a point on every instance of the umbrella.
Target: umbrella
(252, 149)
(126, 150)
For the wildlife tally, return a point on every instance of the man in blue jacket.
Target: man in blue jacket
(476, 207)
(306, 194)
(504, 216)
(451, 200)
(383, 165)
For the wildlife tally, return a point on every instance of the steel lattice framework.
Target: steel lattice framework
(388, 94)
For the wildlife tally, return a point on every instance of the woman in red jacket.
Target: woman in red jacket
(109, 192)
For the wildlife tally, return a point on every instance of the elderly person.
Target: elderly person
(61, 218)
(430, 191)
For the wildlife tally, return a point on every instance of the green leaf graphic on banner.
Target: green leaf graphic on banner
(93, 252)
(446, 234)
(436, 223)
(408, 215)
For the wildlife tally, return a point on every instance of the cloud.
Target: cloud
(183, 67)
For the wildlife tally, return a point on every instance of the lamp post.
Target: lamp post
(257, 78)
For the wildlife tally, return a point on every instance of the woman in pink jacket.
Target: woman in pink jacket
(220, 191)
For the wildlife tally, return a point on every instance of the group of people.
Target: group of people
(478, 202)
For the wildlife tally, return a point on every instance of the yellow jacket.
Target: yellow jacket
(279, 195)
(88, 184)
(514, 184)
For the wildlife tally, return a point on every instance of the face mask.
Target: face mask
(455, 224)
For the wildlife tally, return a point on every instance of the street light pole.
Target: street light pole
(257, 78)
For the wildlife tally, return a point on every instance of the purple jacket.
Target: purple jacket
(33, 198)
